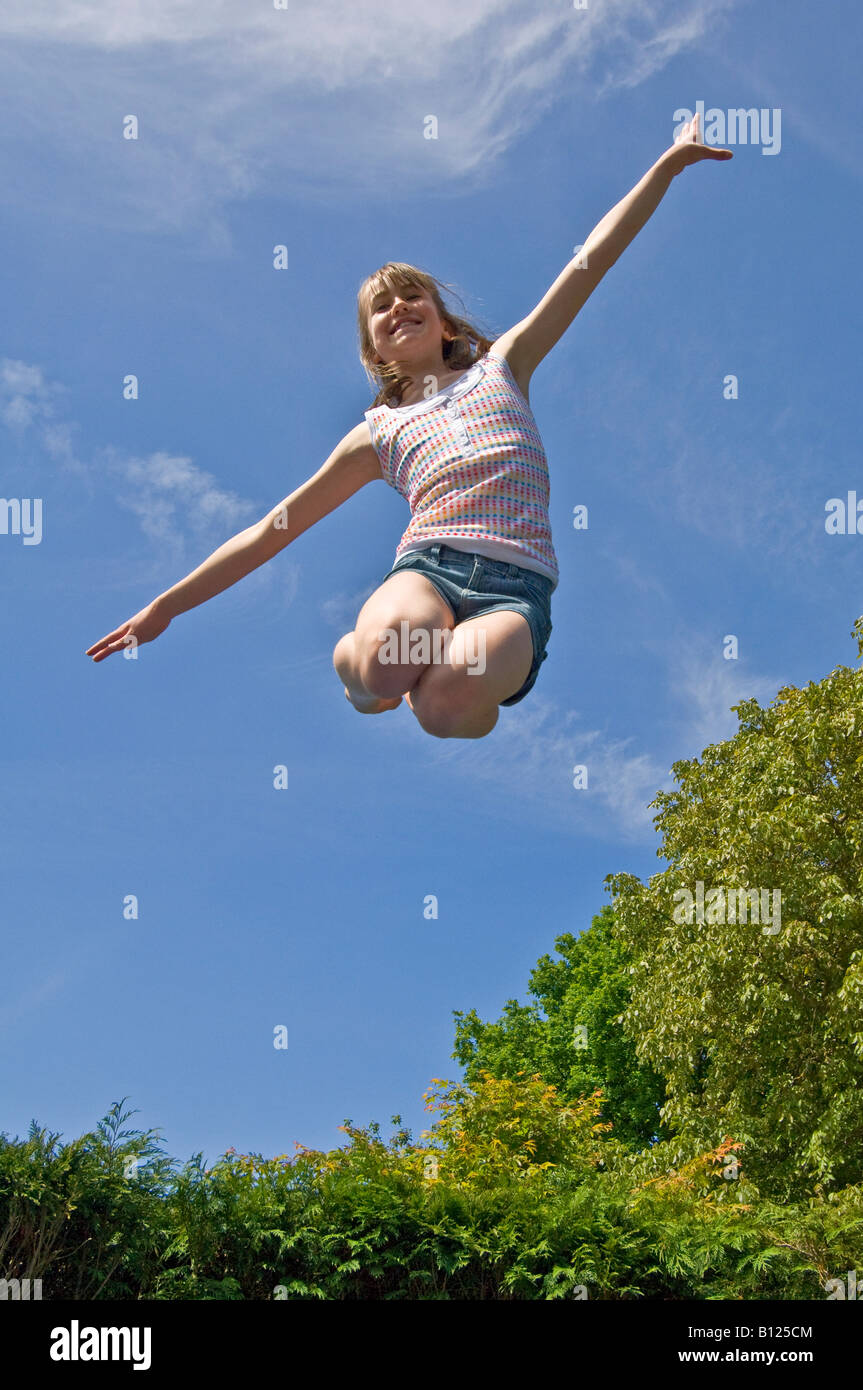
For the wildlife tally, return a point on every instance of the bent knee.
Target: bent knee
(394, 651)
(343, 650)
(452, 710)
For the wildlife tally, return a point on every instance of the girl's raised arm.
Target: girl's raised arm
(528, 342)
(351, 465)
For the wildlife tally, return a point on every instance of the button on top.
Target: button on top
(458, 426)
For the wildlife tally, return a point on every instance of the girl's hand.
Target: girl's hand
(688, 150)
(144, 627)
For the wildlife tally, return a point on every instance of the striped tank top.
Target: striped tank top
(471, 465)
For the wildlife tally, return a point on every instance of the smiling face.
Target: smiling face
(405, 325)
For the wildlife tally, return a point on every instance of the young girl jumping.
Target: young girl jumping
(459, 625)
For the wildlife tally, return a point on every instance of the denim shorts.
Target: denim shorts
(474, 584)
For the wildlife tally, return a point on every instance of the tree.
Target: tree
(758, 1025)
(572, 1036)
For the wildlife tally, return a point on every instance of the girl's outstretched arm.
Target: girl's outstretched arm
(352, 463)
(528, 342)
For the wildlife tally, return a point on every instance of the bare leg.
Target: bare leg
(346, 661)
(374, 661)
(490, 658)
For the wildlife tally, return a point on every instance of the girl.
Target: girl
(459, 625)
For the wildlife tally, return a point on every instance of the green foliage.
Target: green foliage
(502, 1129)
(530, 1199)
(760, 1033)
(588, 989)
(80, 1214)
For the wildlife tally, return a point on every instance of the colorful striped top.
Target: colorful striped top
(471, 465)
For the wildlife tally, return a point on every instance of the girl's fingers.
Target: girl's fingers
(98, 646)
(103, 647)
(689, 131)
(115, 647)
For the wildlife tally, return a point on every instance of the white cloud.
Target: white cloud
(530, 756)
(341, 610)
(26, 398)
(173, 499)
(706, 686)
(233, 97)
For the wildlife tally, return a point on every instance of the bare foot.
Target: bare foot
(371, 704)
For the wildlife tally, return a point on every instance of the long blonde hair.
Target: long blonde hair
(465, 348)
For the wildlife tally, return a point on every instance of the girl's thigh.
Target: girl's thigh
(490, 656)
(406, 596)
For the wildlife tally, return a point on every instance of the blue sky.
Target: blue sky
(154, 777)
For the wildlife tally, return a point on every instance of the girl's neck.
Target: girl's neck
(414, 393)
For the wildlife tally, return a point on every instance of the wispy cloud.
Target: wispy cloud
(694, 474)
(27, 400)
(531, 756)
(31, 999)
(174, 500)
(705, 686)
(231, 97)
(340, 611)
(533, 751)
(816, 125)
